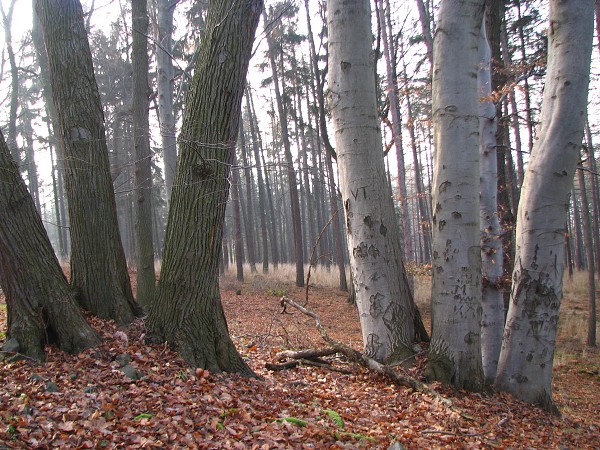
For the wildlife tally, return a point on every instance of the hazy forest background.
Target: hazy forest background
(285, 236)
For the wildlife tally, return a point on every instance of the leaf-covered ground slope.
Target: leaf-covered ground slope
(126, 394)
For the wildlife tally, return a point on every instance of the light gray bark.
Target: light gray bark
(492, 303)
(526, 359)
(455, 351)
(165, 81)
(383, 297)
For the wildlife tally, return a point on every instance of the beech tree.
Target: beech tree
(98, 267)
(382, 294)
(41, 308)
(455, 351)
(492, 298)
(526, 358)
(187, 312)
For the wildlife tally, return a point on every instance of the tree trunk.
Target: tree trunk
(492, 274)
(262, 207)
(267, 194)
(237, 223)
(98, 268)
(187, 312)
(589, 253)
(382, 292)
(249, 223)
(165, 80)
(146, 278)
(322, 136)
(424, 226)
(526, 360)
(424, 18)
(394, 102)
(14, 84)
(591, 165)
(40, 305)
(54, 143)
(455, 351)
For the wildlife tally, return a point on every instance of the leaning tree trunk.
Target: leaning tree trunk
(187, 312)
(455, 351)
(146, 278)
(526, 359)
(40, 304)
(382, 293)
(98, 268)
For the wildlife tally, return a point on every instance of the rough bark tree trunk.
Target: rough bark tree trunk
(187, 312)
(146, 277)
(526, 359)
(98, 267)
(41, 307)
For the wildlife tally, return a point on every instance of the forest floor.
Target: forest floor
(86, 400)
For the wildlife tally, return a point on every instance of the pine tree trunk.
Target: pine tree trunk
(146, 278)
(382, 293)
(589, 253)
(249, 222)
(262, 207)
(591, 165)
(237, 223)
(187, 312)
(41, 307)
(455, 351)
(291, 172)
(526, 360)
(394, 102)
(98, 268)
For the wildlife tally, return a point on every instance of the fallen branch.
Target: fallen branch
(365, 361)
(284, 366)
(303, 354)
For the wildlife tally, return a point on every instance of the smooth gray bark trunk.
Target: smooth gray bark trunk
(455, 351)
(526, 359)
(383, 297)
